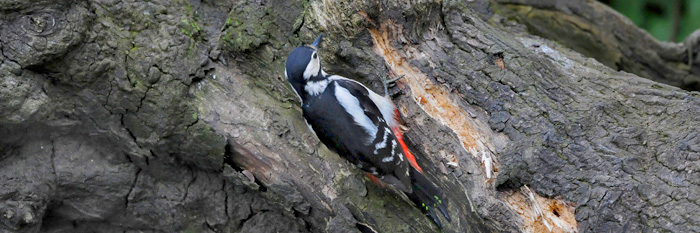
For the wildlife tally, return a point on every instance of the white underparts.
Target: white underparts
(352, 107)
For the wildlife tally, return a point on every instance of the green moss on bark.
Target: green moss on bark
(247, 28)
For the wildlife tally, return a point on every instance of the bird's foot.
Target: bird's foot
(387, 82)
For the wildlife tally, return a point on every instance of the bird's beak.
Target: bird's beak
(317, 42)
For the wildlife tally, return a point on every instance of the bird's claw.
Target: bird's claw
(386, 82)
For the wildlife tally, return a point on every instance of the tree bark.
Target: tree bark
(175, 116)
(594, 30)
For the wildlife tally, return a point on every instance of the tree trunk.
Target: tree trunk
(175, 116)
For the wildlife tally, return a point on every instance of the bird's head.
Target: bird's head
(304, 64)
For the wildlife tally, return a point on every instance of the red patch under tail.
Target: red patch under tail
(375, 180)
(399, 136)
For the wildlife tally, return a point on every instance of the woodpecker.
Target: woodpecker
(361, 126)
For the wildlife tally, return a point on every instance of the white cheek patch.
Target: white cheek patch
(352, 107)
(312, 68)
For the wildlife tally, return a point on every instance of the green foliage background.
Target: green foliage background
(667, 20)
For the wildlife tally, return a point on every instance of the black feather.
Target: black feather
(337, 129)
(428, 197)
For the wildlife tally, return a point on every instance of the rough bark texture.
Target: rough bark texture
(595, 30)
(174, 116)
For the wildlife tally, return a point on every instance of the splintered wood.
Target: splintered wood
(435, 101)
(542, 214)
(539, 214)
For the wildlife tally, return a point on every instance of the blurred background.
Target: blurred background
(667, 20)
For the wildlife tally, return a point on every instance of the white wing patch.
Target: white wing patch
(381, 144)
(352, 107)
(388, 159)
(317, 87)
(393, 145)
(384, 104)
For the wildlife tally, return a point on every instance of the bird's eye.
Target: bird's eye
(315, 56)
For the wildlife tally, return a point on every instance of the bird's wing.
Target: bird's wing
(368, 140)
(390, 115)
(383, 104)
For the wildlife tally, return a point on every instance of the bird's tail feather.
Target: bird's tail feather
(428, 197)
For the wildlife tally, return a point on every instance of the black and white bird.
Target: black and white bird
(361, 126)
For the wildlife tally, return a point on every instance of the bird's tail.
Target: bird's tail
(428, 197)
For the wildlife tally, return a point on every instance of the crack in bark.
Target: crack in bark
(148, 88)
(131, 189)
(53, 164)
(187, 187)
(127, 128)
(223, 189)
